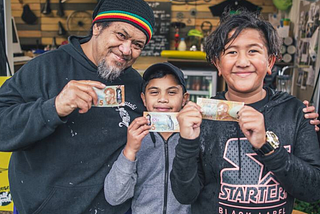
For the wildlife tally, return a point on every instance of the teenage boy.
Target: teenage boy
(271, 156)
(142, 169)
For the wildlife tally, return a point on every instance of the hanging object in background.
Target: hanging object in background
(177, 26)
(60, 9)
(61, 30)
(28, 16)
(282, 4)
(79, 23)
(233, 5)
(46, 8)
(54, 44)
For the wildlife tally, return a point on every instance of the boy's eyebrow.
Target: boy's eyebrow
(171, 87)
(248, 46)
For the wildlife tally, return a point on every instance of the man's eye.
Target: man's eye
(138, 46)
(121, 35)
(153, 92)
(253, 51)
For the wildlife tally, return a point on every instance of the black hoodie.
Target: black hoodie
(222, 174)
(58, 165)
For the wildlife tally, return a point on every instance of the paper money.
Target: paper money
(162, 121)
(110, 96)
(219, 109)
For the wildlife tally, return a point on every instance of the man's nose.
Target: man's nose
(163, 98)
(125, 47)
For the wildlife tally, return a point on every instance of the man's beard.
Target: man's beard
(108, 72)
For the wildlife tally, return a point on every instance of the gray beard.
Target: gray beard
(109, 72)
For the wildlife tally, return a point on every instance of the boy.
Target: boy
(142, 169)
(271, 156)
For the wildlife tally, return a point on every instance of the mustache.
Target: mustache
(120, 54)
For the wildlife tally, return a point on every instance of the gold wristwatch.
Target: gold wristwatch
(272, 143)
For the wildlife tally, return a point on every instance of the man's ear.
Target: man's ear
(271, 60)
(143, 97)
(96, 29)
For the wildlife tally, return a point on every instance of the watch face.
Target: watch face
(272, 139)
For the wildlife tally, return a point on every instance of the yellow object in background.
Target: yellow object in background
(6, 203)
(184, 54)
(3, 79)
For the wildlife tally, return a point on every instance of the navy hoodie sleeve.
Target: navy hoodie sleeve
(27, 112)
(298, 171)
(186, 179)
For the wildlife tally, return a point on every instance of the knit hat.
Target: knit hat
(135, 12)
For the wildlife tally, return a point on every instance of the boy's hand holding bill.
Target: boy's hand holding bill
(190, 119)
(137, 130)
(251, 123)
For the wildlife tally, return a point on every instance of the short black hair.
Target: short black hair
(160, 73)
(243, 19)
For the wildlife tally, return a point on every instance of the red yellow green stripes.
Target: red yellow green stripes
(118, 14)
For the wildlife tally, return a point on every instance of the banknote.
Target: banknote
(213, 109)
(162, 121)
(110, 96)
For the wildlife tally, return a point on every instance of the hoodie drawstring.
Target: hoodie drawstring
(153, 138)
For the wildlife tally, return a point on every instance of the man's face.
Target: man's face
(164, 95)
(245, 62)
(116, 47)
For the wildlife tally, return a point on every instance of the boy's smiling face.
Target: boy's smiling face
(245, 62)
(164, 95)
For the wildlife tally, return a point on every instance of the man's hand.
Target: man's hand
(311, 114)
(251, 123)
(190, 119)
(77, 95)
(137, 130)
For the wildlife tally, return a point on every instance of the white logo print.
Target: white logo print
(125, 117)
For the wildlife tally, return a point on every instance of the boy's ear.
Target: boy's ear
(143, 97)
(185, 98)
(271, 60)
(215, 62)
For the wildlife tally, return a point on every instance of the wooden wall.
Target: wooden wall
(192, 14)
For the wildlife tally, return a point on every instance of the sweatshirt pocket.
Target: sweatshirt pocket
(68, 199)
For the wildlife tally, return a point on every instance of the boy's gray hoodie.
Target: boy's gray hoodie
(146, 179)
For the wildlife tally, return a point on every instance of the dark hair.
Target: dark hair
(159, 74)
(243, 19)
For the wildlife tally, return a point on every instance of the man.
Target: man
(62, 146)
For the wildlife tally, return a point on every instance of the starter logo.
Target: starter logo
(246, 185)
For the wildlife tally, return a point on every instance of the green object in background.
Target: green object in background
(196, 33)
(282, 4)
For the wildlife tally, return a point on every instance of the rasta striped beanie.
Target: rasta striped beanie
(135, 12)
